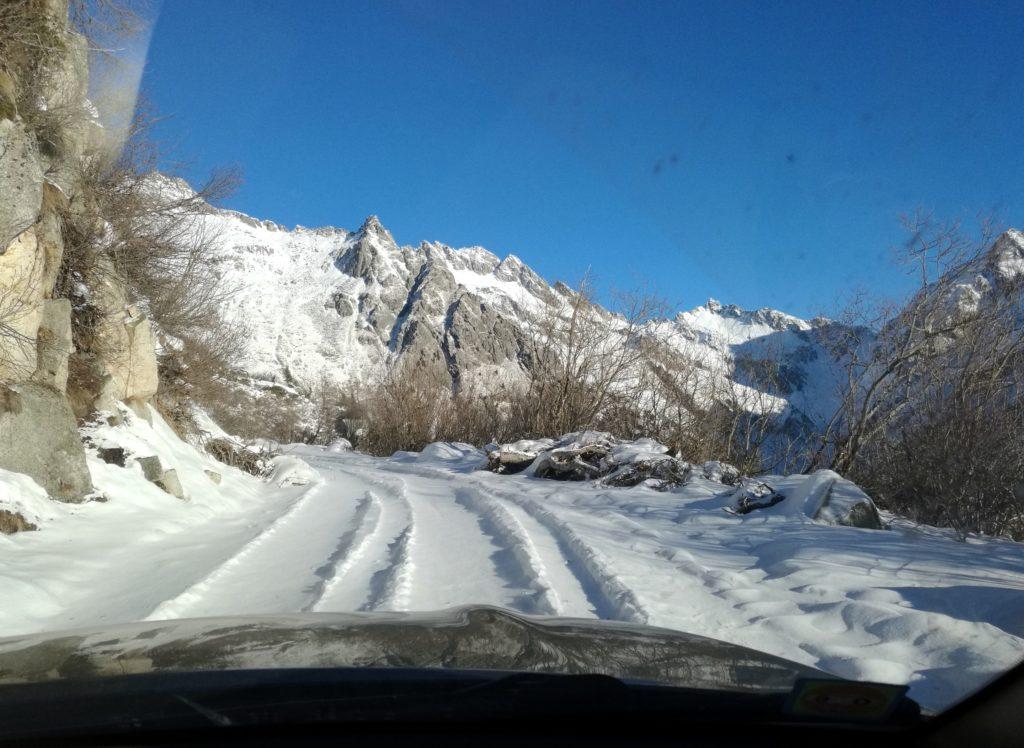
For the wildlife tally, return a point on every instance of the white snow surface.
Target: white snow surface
(335, 530)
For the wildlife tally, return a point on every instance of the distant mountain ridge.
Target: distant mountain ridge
(344, 306)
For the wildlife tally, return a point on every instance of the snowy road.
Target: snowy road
(368, 539)
(425, 532)
(347, 532)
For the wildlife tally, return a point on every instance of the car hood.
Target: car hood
(460, 638)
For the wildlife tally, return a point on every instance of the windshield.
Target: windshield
(649, 331)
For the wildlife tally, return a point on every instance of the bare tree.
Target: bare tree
(930, 419)
(584, 361)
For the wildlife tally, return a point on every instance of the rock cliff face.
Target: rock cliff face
(39, 168)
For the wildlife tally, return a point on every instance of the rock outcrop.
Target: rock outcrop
(41, 158)
(125, 363)
(39, 437)
(21, 181)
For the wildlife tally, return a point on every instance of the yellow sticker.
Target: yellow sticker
(837, 699)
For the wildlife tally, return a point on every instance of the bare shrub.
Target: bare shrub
(249, 459)
(133, 228)
(931, 420)
(695, 405)
(12, 522)
(583, 362)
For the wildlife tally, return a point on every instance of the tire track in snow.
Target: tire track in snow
(374, 571)
(498, 523)
(495, 564)
(607, 594)
(351, 545)
(610, 597)
(195, 593)
(390, 586)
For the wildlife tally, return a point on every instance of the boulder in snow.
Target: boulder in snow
(823, 496)
(843, 503)
(591, 455)
(113, 455)
(659, 473)
(39, 437)
(508, 461)
(171, 484)
(721, 472)
(582, 462)
(151, 467)
(154, 472)
(751, 495)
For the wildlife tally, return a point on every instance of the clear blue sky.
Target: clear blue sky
(758, 153)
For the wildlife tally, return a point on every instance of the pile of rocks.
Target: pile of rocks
(599, 456)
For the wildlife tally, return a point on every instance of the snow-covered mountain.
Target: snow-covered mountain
(342, 306)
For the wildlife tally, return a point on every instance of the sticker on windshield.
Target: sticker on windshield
(833, 699)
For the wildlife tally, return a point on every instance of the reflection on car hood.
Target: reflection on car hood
(461, 638)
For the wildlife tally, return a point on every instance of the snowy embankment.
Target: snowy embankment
(340, 531)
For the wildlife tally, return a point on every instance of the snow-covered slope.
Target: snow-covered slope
(344, 305)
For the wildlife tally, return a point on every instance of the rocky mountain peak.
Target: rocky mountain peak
(372, 227)
(1006, 257)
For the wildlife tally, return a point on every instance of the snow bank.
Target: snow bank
(286, 470)
(120, 556)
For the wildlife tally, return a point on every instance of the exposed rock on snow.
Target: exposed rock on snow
(39, 437)
(592, 455)
(597, 456)
(721, 472)
(113, 455)
(1006, 260)
(152, 469)
(843, 503)
(751, 495)
(12, 522)
(659, 473)
(515, 457)
(170, 483)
